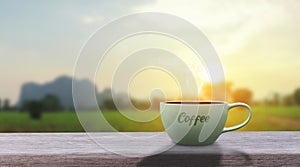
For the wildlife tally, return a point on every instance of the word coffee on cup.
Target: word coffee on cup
(192, 120)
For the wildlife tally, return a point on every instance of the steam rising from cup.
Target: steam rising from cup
(116, 66)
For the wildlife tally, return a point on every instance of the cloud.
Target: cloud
(92, 19)
(229, 25)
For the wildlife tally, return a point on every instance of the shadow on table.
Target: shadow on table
(211, 155)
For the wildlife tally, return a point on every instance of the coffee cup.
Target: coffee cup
(197, 122)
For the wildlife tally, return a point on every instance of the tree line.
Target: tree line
(52, 103)
(5, 105)
(246, 95)
(286, 100)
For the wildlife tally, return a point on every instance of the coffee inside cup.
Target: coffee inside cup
(194, 102)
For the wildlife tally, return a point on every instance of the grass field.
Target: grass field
(265, 118)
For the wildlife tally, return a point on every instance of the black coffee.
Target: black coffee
(194, 102)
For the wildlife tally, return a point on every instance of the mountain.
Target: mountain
(62, 88)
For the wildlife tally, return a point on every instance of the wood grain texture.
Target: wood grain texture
(77, 149)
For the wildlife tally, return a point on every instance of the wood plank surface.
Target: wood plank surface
(78, 149)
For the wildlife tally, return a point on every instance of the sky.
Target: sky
(257, 41)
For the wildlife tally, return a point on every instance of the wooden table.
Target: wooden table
(77, 149)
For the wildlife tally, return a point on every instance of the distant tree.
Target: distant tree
(242, 95)
(51, 103)
(71, 109)
(35, 109)
(109, 104)
(267, 102)
(256, 102)
(6, 105)
(140, 104)
(288, 100)
(24, 106)
(104, 95)
(0, 105)
(297, 96)
(276, 99)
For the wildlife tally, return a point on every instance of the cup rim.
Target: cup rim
(194, 102)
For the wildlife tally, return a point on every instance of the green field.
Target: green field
(265, 118)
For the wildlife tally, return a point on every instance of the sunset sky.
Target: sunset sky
(257, 41)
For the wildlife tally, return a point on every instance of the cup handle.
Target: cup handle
(230, 106)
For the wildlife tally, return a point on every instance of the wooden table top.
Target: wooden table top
(78, 149)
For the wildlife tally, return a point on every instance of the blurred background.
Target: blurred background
(257, 43)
